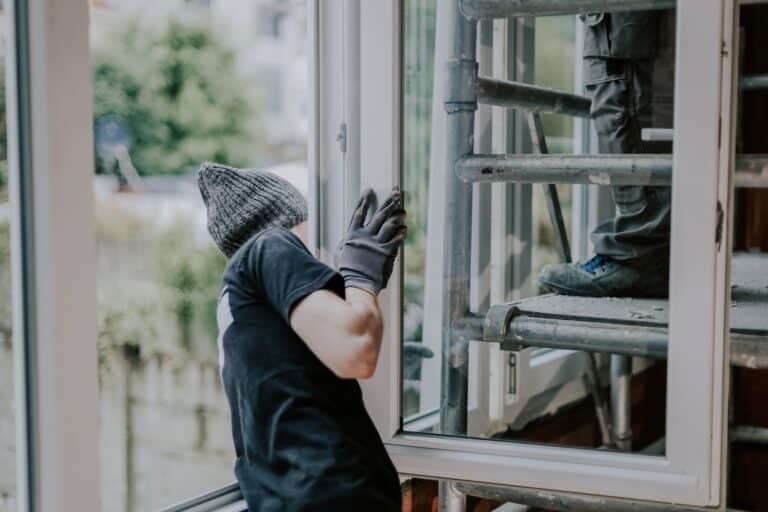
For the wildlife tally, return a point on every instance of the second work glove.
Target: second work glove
(367, 253)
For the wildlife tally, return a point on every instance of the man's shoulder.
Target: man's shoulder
(273, 240)
(272, 237)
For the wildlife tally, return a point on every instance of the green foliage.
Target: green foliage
(158, 287)
(193, 275)
(178, 89)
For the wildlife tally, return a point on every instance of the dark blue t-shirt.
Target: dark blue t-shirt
(303, 438)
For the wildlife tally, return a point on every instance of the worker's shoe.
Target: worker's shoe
(603, 276)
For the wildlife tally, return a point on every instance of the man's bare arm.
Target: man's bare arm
(344, 334)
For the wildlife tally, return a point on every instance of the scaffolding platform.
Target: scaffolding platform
(633, 327)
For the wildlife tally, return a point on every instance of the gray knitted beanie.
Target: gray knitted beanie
(243, 202)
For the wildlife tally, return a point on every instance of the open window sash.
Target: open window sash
(691, 471)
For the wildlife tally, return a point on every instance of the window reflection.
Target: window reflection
(531, 390)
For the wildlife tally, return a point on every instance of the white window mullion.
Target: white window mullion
(694, 267)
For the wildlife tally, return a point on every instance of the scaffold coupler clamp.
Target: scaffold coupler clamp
(461, 86)
(496, 326)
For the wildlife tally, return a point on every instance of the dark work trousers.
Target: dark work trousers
(629, 74)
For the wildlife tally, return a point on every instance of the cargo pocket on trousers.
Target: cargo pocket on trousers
(598, 70)
(630, 35)
(595, 35)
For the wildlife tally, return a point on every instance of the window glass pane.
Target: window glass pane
(554, 65)
(622, 64)
(418, 76)
(175, 84)
(7, 389)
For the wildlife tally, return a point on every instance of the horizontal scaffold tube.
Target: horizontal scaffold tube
(745, 434)
(749, 83)
(525, 331)
(495, 9)
(751, 170)
(503, 93)
(747, 350)
(596, 169)
(562, 501)
(628, 340)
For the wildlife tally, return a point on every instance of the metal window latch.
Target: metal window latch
(341, 137)
(719, 227)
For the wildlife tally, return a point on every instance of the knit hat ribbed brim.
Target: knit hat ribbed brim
(244, 202)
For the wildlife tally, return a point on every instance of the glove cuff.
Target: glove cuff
(353, 281)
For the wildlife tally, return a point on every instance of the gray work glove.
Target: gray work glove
(366, 255)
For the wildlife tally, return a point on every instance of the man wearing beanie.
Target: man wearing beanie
(294, 334)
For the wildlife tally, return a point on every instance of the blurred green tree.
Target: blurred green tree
(192, 273)
(178, 91)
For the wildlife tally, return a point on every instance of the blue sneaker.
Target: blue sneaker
(602, 276)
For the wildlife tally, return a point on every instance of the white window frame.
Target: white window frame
(53, 255)
(334, 145)
(691, 471)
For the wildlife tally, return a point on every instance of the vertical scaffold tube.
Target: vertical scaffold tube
(621, 398)
(460, 105)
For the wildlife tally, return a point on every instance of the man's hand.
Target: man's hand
(367, 253)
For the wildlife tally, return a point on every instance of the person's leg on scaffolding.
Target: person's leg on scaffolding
(629, 92)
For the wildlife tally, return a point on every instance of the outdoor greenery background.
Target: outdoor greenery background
(178, 90)
(184, 102)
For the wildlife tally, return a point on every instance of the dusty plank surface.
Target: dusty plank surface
(749, 303)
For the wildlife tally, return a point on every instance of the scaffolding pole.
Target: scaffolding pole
(522, 331)
(642, 169)
(497, 9)
(745, 434)
(567, 501)
(450, 498)
(504, 93)
(754, 82)
(751, 171)
(460, 106)
(621, 401)
(584, 169)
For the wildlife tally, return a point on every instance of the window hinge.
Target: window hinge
(719, 227)
(341, 137)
